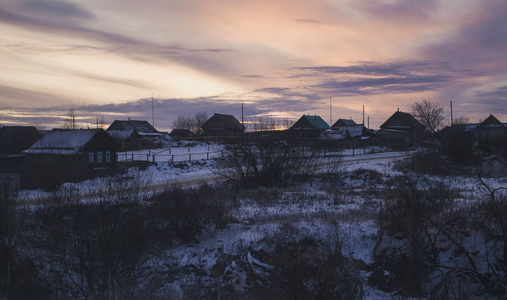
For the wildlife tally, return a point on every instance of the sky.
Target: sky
(118, 59)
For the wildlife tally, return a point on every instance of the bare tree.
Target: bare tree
(200, 118)
(461, 120)
(192, 123)
(101, 122)
(264, 124)
(430, 114)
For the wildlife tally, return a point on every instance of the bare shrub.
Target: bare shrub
(414, 224)
(265, 162)
(184, 213)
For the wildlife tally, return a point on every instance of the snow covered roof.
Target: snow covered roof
(121, 134)
(63, 141)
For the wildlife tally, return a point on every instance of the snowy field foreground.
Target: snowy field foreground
(366, 227)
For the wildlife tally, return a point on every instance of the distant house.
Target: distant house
(346, 134)
(15, 139)
(343, 122)
(69, 155)
(401, 130)
(133, 134)
(222, 126)
(142, 127)
(488, 130)
(308, 127)
(181, 133)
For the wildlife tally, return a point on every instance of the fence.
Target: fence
(170, 155)
(189, 154)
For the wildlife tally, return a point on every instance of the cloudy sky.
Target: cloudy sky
(279, 58)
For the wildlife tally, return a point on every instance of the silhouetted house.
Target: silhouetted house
(343, 122)
(181, 133)
(489, 130)
(133, 134)
(308, 128)
(15, 139)
(223, 126)
(401, 130)
(66, 155)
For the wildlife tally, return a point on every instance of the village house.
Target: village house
(346, 134)
(308, 128)
(133, 134)
(221, 125)
(401, 130)
(489, 130)
(70, 155)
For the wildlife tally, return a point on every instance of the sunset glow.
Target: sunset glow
(279, 58)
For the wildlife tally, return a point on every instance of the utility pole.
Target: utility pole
(452, 119)
(330, 112)
(152, 112)
(242, 115)
(363, 114)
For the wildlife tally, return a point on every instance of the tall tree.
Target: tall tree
(429, 113)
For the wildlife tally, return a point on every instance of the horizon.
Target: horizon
(281, 60)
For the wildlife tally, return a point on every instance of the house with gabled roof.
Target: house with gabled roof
(489, 129)
(133, 134)
(92, 146)
(221, 125)
(344, 122)
(67, 155)
(308, 127)
(142, 127)
(400, 130)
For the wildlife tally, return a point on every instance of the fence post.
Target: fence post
(132, 156)
(207, 154)
(190, 157)
(147, 157)
(153, 158)
(172, 158)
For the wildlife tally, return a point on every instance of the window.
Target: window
(91, 156)
(99, 157)
(108, 156)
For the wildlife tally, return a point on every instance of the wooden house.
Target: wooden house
(346, 134)
(343, 122)
(308, 127)
(133, 134)
(221, 125)
(489, 130)
(67, 155)
(401, 130)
